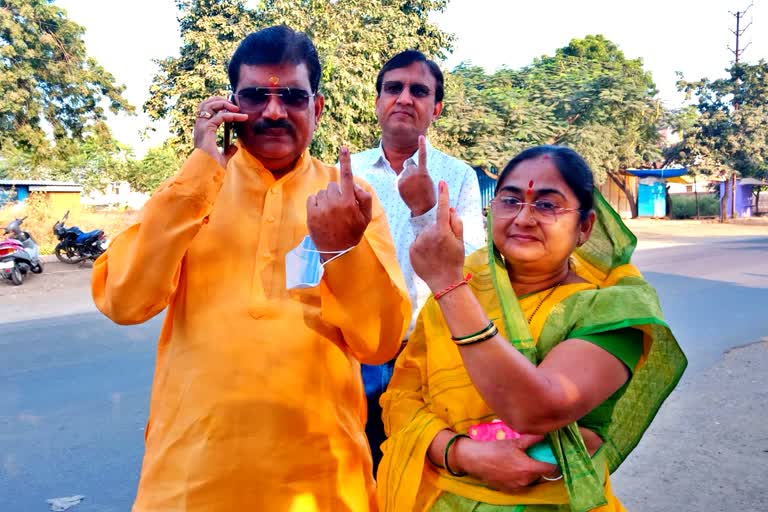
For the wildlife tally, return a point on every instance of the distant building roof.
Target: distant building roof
(753, 181)
(39, 183)
(670, 172)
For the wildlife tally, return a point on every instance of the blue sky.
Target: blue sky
(669, 35)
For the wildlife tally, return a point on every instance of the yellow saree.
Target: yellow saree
(431, 391)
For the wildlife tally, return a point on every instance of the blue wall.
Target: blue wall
(9, 193)
(651, 199)
(487, 186)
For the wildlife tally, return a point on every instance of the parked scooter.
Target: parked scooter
(19, 254)
(75, 245)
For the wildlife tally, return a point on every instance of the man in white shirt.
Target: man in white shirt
(404, 171)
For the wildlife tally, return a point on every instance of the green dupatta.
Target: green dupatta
(610, 246)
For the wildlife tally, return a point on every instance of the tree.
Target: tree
(587, 96)
(353, 37)
(489, 118)
(605, 105)
(147, 174)
(93, 160)
(210, 31)
(731, 131)
(47, 81)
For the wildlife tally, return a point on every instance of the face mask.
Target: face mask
(302, 265)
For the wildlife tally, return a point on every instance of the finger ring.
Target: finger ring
(204, 114)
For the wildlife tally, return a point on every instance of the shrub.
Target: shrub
(684, 206)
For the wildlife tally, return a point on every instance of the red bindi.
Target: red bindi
(529, 192)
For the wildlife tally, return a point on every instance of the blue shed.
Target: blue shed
(652, 190)
(487, 181)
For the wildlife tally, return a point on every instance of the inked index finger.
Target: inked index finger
(346, 180)
(443, 205)
(422, 154)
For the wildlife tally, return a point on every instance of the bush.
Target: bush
(40, 220)
(684, 206)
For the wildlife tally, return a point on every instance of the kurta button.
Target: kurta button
(267, 255)
(206, 220)
(270, 219)
(275, 191)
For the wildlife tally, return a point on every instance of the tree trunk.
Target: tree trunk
(733, 195)
(618, 179)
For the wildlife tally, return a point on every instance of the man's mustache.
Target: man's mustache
(262, 125)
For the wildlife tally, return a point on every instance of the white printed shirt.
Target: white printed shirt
(464, 191)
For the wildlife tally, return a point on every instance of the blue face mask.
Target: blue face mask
(303, 268)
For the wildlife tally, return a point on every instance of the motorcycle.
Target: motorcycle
(19, 254)
(76, 245)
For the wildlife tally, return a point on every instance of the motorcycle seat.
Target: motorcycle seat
(82, 237)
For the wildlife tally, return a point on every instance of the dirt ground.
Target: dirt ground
(60, 290)
(649, 229)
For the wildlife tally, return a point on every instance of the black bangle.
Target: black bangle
(478, 333)
(432, 461)
(445, 454)
(485, 337)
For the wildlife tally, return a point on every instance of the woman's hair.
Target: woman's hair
(574, 170)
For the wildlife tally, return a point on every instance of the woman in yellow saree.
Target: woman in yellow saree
(552, 332)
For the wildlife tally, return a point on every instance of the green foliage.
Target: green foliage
(47, 80)
(147, 174)
(731, 131)
(605, 104)
(587, 96)
(210, 32)
(353, 37)
(92, 160)
(489, 118)
(684, 206)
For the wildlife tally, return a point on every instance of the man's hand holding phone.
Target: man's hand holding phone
(211, 113)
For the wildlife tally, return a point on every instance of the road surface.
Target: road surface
(74, 388)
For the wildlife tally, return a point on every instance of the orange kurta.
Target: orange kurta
(257, 401)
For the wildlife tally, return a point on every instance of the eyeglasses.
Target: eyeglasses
(255, 99)
(395, 88)
(545, 212)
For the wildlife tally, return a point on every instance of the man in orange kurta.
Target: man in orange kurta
(257, 402)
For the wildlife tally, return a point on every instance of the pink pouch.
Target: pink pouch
(495, 430)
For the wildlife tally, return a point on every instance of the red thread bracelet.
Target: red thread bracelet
(454, 286)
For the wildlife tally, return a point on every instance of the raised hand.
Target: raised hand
(211, 113)
(437, 254)
(415, 184)
(338, 216)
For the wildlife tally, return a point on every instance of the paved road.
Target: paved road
(74, 389)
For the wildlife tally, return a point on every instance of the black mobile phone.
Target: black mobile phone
(228, 127)
(227, 135)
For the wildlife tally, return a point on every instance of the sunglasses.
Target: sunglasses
(255, 99)
(395, 88)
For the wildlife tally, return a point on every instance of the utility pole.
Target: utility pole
(739, 15)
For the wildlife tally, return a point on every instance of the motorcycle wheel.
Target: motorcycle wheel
(38, 269)
(16, 276)
(67, 254)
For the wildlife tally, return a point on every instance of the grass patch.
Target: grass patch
(40, 220)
